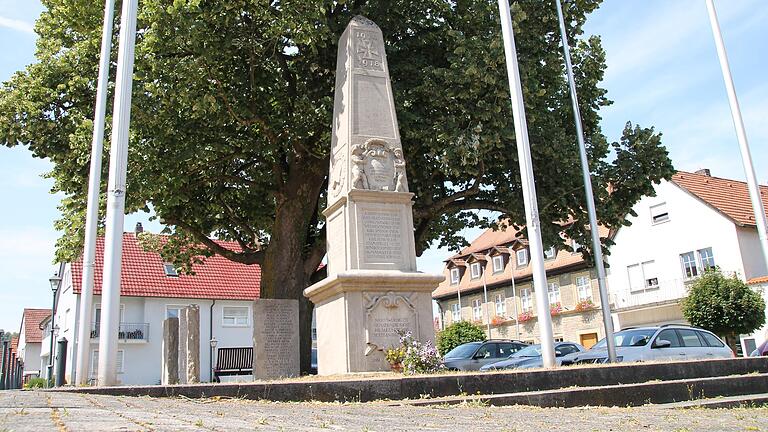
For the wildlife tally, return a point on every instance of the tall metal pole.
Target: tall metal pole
(741, 134)
(92, 217)
(605, 303)
(529, 188)
(118, 163)
(485, 300)
(512, 265)
(50, 350)
(458, 291)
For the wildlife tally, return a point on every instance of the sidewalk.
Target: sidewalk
(48, 411)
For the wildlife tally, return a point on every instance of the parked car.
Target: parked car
(761, 350)
(666, 342)
(530, 357)
(474, 355)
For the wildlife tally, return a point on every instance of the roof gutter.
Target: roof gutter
(210, 334)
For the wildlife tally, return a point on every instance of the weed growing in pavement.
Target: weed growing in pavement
(262, 421)
(199, 423)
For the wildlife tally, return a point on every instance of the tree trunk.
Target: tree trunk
(284, 275)
(733, 342)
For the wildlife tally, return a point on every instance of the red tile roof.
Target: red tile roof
(730, 197)
(758, 280)
(32, 319)
(143, 275)
(15, 344)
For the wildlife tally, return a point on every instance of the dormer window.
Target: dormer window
(550, 253)
(498, 263)
(522, 257)
(475, 270)
(659, 213)
(455, 276)
(170, 270)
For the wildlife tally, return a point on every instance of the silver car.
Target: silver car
(660, 343)
(530, 357)
(474, 355)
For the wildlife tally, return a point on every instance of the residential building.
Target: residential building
(151, 291)
(30, 338)
(751, 341)
(500, 261)
(694, 222)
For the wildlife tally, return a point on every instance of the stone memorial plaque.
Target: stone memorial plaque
(382, 236)
(386, 316)
(275, 338)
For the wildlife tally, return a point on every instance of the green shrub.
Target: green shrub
(458, 333)
(36, 383)
(723, 305)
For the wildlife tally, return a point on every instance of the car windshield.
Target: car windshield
(463, 351)
(629, 338)
(529, 351)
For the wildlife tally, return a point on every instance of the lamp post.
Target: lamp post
(55, 281)
(213, 343)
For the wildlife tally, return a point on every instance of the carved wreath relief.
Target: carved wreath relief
(376, 165)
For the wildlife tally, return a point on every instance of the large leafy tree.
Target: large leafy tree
(231, 122)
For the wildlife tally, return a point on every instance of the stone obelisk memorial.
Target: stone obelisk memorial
(373, 289)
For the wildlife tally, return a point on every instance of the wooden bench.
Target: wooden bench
(233, 361)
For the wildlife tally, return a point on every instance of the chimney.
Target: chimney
(139, 229)
(704, 171)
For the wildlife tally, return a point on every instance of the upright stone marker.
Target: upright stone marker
(373, 289)
(170, 351)
(183, 339)
(193, 344)
(275, 338)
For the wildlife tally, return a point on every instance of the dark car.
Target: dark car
(474, 355)
(530, 357)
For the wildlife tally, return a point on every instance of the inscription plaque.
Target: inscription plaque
(275, 338)
(382, 236)
(386, 316)
(371, 107)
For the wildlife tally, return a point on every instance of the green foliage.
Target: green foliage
(232, 105)
(459, 333)
(36, 383)
(724, 305)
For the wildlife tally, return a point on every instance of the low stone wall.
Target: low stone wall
(415, 387)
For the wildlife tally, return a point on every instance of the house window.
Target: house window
(97, 314)
(95, 362)
(706, 258)
(456, 312)
(553, 292)
(500, 308)
(170, 270)
(584, 288)
(659, 213)
(650, 277)
(522, 257)
(688, 261)
(235, 316)
(474, 269)
(525, 299)
(173, 311)
(498, 263)
(550, 253)
(477, 310)
(455, 276)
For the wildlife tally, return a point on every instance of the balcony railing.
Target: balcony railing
(126, 331)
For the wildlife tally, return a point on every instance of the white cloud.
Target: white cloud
(17, 25)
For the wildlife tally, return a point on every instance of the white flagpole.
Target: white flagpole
(529, 189)
(92, 214)
(741, 134)
(118, 163)
(605, 303)
(485, 299)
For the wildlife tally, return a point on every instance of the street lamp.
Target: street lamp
(55, 281)
(213, 343)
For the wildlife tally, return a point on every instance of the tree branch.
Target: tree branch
(256, 257)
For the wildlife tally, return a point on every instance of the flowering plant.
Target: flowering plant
(525, 316)
(395, 356)
(585, 305)
(498, 320)
(419, 357)
(555, 308)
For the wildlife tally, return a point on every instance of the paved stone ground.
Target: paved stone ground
(40, 411)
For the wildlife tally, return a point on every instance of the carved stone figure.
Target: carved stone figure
(400, 184)
(359, 178)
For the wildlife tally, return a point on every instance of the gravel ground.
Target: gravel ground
(42, 411)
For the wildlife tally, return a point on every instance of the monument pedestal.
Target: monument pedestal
(359, 313)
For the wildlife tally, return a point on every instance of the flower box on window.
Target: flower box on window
(499, 320)
(525, 316)
(585, 305)
(555, 309)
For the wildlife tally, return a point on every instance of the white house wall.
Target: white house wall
(692, 225)
(751, 252)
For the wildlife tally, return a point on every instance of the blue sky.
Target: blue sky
(662, 71)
